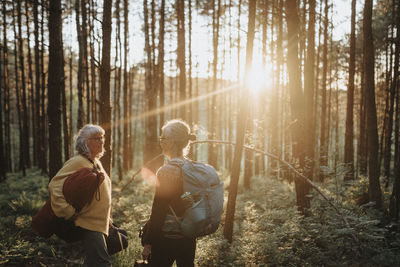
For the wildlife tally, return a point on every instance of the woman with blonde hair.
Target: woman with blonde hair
(161, 245)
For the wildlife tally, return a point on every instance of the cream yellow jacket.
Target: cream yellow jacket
(94, 216)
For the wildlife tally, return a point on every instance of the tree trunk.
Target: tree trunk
(36, 113)
(394, 206)
(296, 102)
(349, 134)
(160, 64)
(85, 70)
(241, 127)
(64, 115)
(30, 84)
(389, 133)
(324, 129)
(309, 91)
(92, 65)
(213, 151)
(81, 113)
(43, 117)
(55, 80)
(372, 130)
(190, 93)
(181, 54)
(2, 157)
(126, 157)
(7, 134)
(24, 108)
(116, 160)
(19, 107)
(105, 92)
(151, 142)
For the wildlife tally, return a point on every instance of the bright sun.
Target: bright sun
(258, 79)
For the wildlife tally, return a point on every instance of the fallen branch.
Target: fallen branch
(291, 167)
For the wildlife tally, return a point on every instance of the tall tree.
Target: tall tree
(23, 106)
(65, 125)
(85, 69)
(213, 116)
(160, 64)
(324, 129)
(181, 54)
(7, 133)
(387, 157)
(394, 206)
(374, 189)
(55, 80)
(43, 116)
(105, 92)
(309, 89)
(2, 157)
(241, 127)
(79, 30)
(22, 162)
(349, 134)
(125, 92)
(30, 82)
(296, 101)
(117, 93)
(151, 142)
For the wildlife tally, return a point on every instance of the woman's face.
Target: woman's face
(165, 143)
(95, 144)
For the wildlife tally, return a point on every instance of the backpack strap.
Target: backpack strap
(177, 162)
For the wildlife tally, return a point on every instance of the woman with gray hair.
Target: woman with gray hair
(94, 218)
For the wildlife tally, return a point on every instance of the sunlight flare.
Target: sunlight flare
(258, 79)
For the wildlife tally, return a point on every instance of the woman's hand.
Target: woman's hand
(73, 217)
(146, 252)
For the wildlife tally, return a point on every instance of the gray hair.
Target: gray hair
(82, 137)
(179, 131)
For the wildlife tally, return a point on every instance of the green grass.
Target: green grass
(268, 231)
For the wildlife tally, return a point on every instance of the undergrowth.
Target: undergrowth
(268, 230)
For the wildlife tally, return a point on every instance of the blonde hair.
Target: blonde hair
(82, 137)
(179, 131)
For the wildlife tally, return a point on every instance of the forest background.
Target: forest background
(298, 99)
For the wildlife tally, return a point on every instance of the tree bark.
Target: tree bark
(324, 117)
(160, 64)
(55, 80)
(81, 112)
(105, 92)
(212, 150)
(31, 101)
(349, 134)
(372, 130)
(7, 133)
(151, 142)
(241, 127)
(296, 102)
(126, 97)
(23, 106)
(394, 205)
(309, 90)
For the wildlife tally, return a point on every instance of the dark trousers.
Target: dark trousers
(95, 247)
(167, 250)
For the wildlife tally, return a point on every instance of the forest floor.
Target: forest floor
(268, 231)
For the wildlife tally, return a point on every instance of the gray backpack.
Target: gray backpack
(203, 214)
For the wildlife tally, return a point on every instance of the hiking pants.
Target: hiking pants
(94, 244)
(167, 250)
